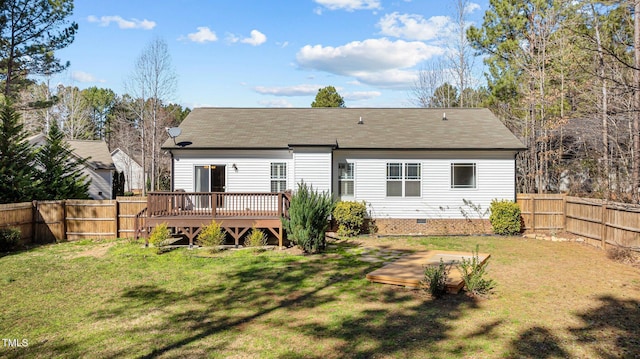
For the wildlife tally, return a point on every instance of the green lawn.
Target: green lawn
(117, 299)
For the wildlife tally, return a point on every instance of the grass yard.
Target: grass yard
(116, 299)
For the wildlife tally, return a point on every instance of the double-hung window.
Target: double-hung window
(463, 175)
(278, 176)
(346, 179)
(404, 179)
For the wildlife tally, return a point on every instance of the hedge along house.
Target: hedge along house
(420, 171)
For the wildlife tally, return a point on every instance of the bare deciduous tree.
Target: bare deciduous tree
(152, 82)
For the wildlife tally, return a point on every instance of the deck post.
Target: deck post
(214, 204)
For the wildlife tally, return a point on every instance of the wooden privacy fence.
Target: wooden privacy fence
(51, 221)
(600, 222)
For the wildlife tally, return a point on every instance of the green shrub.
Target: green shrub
(350, 217)
(308, 218)
(159, 237)
(9, 239)
(505, 217)
(212, 236)
(256, 238)
(435, 279)
(473, 272)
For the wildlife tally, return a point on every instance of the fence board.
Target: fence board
(601, 223)
(128, 207)
(49, 221)
(91, 219)
(542, 211)
(20, 216)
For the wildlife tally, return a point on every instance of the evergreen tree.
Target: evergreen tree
(30, 32)
(328, 97)
(17, 176)
(309, 213)
(60, 171)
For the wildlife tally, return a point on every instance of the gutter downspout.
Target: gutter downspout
(172, 171)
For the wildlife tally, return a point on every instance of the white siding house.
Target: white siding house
(131, 168)
(409, 165)
(99, 166)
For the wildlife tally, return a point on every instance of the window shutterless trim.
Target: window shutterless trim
(454, 176)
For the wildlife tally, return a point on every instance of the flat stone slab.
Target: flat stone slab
(408, 271)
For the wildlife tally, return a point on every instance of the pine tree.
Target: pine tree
(309, 213)
(328, 97)
(17, 175)
(60, 171)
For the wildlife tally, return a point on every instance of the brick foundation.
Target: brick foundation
(388, 226)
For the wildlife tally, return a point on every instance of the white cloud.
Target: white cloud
(275, 103)
(375, 61)
(257, 38)
(297, 90)
(81, 76)
(471, 7)
(122, 23)
(361, 95)
(414, 27)
(348, 5)
(204, 34)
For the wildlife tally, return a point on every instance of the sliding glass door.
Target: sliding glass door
(209, 178)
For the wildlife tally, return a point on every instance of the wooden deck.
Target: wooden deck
(409, 270)
(188, 212)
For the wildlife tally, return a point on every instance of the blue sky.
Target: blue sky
(257, 53)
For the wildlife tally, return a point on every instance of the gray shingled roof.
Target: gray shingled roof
(100, 158)
(398, 128)
(96, 151)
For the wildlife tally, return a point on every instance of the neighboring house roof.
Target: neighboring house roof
(381, 128)
(96, 151)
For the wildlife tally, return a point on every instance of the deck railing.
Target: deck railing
(218, 204)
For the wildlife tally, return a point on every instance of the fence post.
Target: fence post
(603, 228)
(64, 220)
(533, 212)
(34, 218)
(117, 219)
(564, 212)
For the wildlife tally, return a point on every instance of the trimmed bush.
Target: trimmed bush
(505, 217)
(9, 239)
(212, 236)
(350, 217)
(308, 218)
(256, 238)
(435, 279)
(159, 236)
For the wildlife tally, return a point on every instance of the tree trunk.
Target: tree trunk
(635, 177)
(603, 108)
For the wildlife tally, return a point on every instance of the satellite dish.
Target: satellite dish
(174, 131)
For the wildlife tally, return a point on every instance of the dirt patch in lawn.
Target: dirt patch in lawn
(98, 251)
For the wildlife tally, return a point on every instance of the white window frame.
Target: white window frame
(474, 167)
(403, 178)
(279, 178)
(412, 179)
(352, 179)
